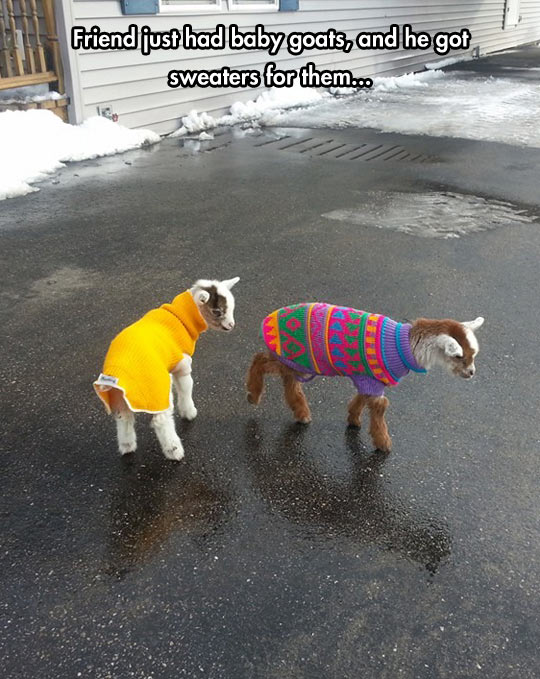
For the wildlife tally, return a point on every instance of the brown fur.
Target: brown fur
(264, 363)
(424, 327)
(356, 407)
(378, 429)
(295, 397)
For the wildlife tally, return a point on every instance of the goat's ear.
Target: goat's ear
(231, 282)
(449, 345)
(201, 296)
(474, 325)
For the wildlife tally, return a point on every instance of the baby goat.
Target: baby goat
(305, 340)
(144, 357)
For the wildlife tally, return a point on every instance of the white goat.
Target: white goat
(147, 358)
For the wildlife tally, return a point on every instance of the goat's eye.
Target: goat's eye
(217, 313)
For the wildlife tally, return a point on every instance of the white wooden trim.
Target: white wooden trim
(512, 13)
(70, 61)
(253, 7)
(184, 9)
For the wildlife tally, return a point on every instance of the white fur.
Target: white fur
(125, 431)
(163, 424)
(183, 382)
(449, 345)
(224, 289)
(200, 296)
(435, 349)
(428, 353)
(474, 325)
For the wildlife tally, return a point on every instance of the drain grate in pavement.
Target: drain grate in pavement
(332, 148)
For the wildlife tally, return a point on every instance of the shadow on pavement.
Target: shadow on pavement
(362, 508)
(154, 501)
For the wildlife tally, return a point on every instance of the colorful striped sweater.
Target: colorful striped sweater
(323, 339)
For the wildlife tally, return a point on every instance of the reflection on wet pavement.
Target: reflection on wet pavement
(154, 501)
(361, 508)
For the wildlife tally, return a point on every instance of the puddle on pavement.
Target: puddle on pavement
(431, 214)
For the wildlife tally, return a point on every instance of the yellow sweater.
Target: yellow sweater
(141, 357)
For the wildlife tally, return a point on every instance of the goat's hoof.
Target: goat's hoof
(188, 412)
(384, 446)
(254, 400)
(306, 419)
(127, 447)
(354, 422)
(174, 452)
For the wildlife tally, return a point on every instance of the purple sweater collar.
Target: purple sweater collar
(398, 355)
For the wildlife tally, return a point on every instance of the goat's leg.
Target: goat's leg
(183, 383)
(125, 423)
(378, 428)
(261, 364)
(295, 397)
(356, 406)
(163, 425)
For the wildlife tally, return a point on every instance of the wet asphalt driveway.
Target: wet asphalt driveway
(274, 550)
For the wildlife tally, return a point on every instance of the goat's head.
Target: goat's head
(216, 302)
(448, 343)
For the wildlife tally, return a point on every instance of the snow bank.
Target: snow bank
(35, 143)
(449, 104)
(458, 104)
(273, 102)
(269, 103)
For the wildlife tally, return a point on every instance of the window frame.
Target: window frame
(178, 8)
(253, 6)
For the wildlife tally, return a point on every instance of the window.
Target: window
(253, 4)
(180, 5)
(219, 5)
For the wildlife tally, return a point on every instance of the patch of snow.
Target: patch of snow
(24, 91)
(256, 111)
(195, 122)
(27, 99)
(275, 99)
(343, 91)
(36, 143)
(205, 136)
(450, 61)
(407, 81)
(453, 104)
(431, 214)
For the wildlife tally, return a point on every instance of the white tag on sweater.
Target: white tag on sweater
(107, 379)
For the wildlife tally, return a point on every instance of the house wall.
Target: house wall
(136, 88)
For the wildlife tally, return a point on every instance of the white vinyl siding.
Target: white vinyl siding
(136, 86)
